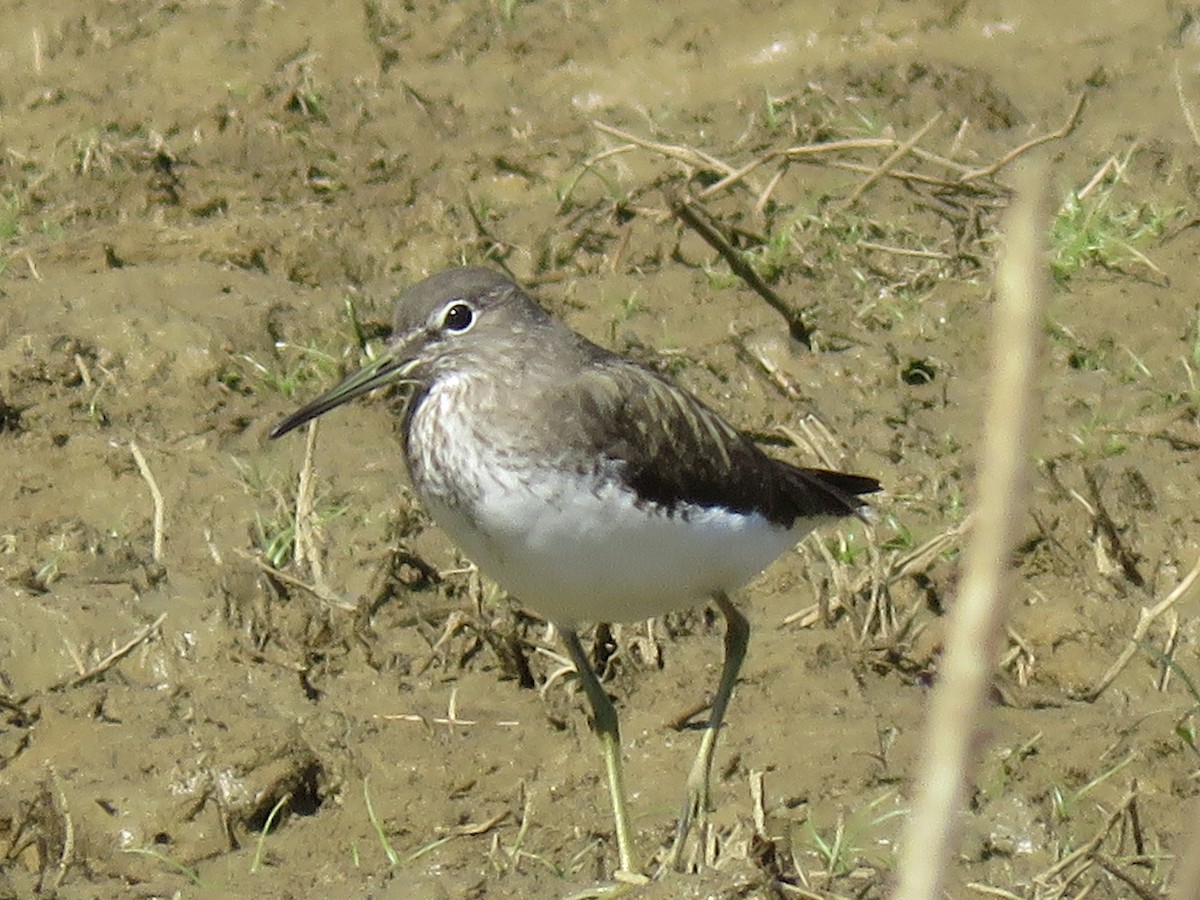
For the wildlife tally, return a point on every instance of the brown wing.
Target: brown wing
(671, 449)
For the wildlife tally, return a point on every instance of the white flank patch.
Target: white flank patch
(574, 555)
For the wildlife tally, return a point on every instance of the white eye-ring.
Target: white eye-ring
(458, 317)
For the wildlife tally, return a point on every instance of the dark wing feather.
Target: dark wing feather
(671, 449)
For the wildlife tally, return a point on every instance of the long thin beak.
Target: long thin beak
(389, 368)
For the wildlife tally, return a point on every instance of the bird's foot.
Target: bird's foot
(693, 815)
(623, 882)
(633, 878)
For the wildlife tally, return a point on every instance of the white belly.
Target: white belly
(573, 554)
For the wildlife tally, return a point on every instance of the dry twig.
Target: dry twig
(687, 155)
(1011, 155)
(977, 622)
(451, 718)
(67, 856)
(318, 591)
(160, 507)
(1084, 852)
(113, 658)
(691, 215)
(1146, 618)
(892, 570)
(890, 163)
(305, 549)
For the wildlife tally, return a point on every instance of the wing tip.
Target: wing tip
(844, 489)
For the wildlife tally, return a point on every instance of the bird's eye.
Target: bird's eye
(458, 317)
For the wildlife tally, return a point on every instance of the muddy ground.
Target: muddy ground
(204, 210)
